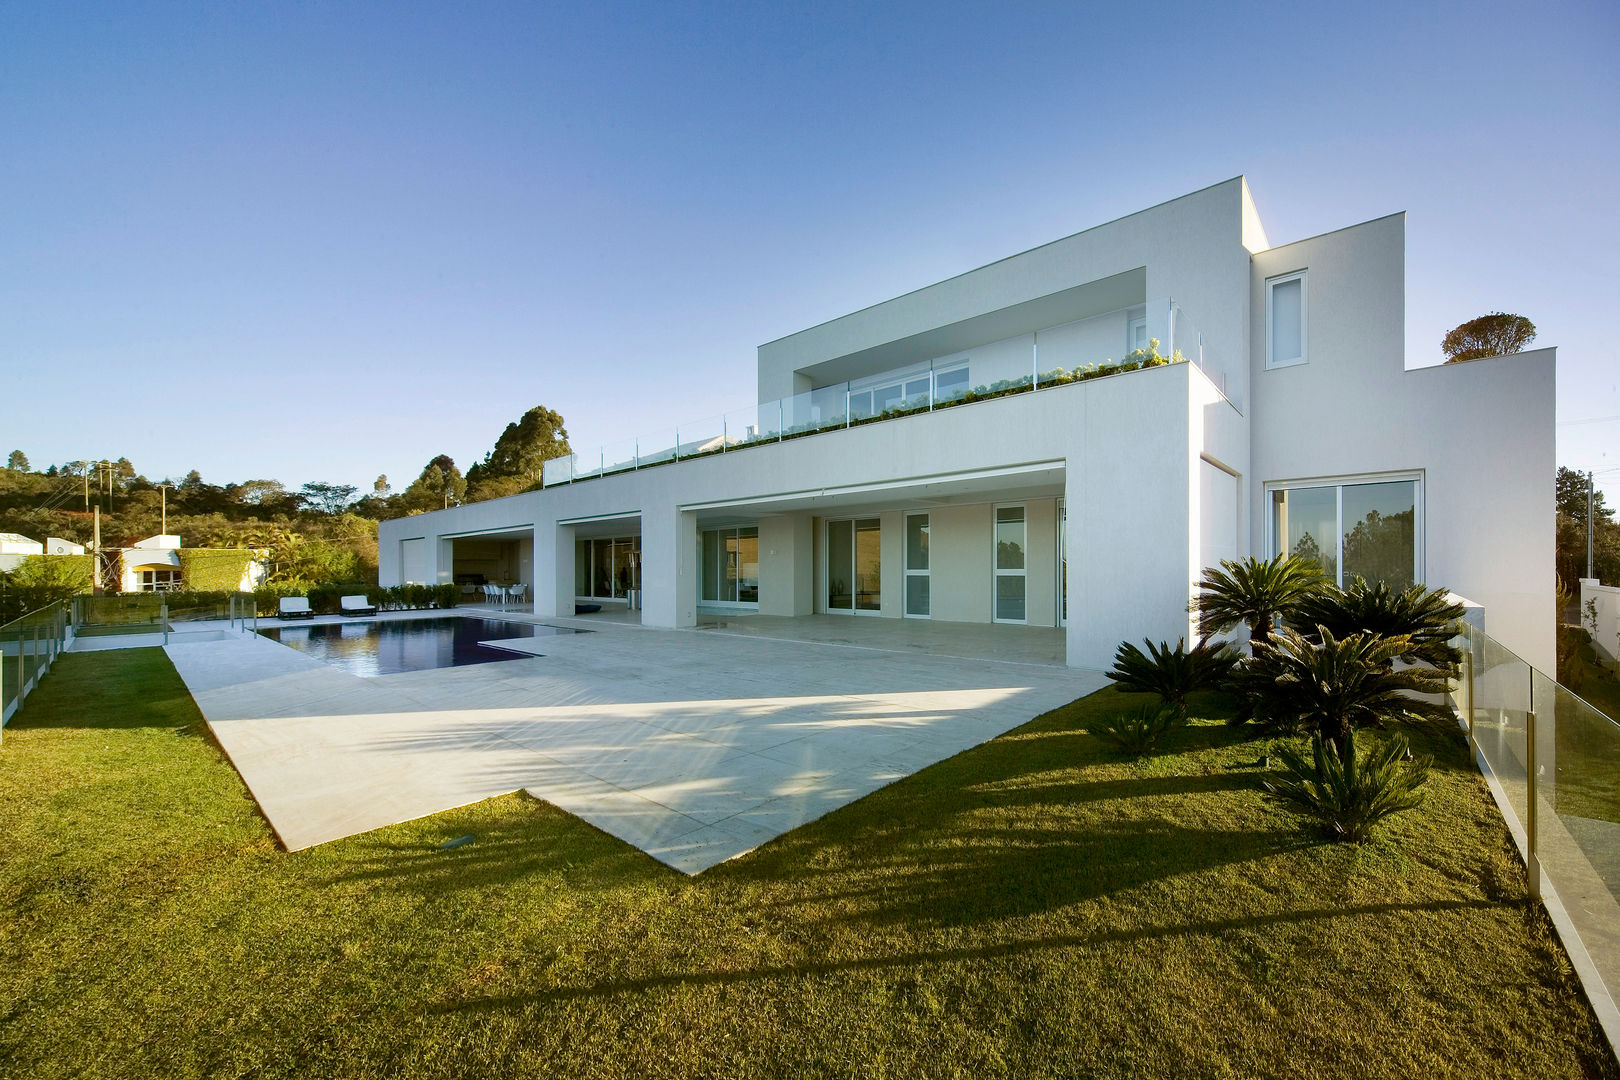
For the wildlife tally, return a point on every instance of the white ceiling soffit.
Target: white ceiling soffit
(1008, 484)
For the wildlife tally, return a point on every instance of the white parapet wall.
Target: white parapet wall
(1600, 615)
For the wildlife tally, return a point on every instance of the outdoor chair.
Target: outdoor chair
(295, 607)
(356, 605)
(516, 592)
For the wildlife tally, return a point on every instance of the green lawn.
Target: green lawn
(1034, 907)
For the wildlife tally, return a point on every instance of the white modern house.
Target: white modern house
(937, 456)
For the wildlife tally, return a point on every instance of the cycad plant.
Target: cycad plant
(1256, 592)
(1350, 793)
(1333, 685)
(1136, 731)
(1171, 673)
(1426, 617)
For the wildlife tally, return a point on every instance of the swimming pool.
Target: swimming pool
(391, 646)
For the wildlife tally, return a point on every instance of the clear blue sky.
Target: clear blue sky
(323, 242)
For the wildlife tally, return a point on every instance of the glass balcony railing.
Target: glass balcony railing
(1039, 361)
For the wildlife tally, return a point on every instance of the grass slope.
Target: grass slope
(1034, 907)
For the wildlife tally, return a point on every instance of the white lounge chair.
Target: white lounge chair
(295, 607)
(356, 605)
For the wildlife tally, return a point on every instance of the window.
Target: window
(1371, 529)
(1285, 320)
(1136, 334)
(1009, 565)
(916, 566)
(159, 580)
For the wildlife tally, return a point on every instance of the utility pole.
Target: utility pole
(1589, 523)
(95, 545)
(163, 494)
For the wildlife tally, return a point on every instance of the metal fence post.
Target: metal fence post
(163, 617)
(1468, 667)
(1532, 858)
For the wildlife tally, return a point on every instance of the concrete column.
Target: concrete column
(669, 568)
(554, 569)
(786, 565)
(442, 560)
(1040, 562)
(893, 569)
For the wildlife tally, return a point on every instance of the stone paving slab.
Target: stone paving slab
(694, 746)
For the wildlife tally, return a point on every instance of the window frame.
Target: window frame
(997, 573)
(908, 571)
(1420, 573)
(1304, 357)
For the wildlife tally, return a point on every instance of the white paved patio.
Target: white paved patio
(694, 746)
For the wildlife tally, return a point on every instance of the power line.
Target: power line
(1589, 420)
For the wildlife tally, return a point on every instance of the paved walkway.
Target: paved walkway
(694, 746)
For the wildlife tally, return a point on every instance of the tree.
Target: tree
(1571, 495)
(1496, 334)
(516, 462)
(327, 498)
(17, 462)
(440, 484)
(380, 488)
(256, 492)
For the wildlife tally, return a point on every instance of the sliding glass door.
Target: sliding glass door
(607, 568)
(854, 566)
(1372, 530)
(730, 574)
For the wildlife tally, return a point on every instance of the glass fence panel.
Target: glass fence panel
(756, 423)
(1501, 713)
(28, 646)
(703, 437)
(131, 612)
(657, 448)
(619, 456)
(557, 471)
(1109, 343)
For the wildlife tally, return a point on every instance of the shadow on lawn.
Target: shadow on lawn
(534, 841)
(999, 950)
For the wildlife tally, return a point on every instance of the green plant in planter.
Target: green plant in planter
(1332, 686)
(1347, 792)
(1426, 617)
(1256, 592)
(1137, 731)
(1172, 674)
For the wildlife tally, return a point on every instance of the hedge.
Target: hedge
(213, 569)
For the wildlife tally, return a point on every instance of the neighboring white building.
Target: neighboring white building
(1094, 504)
(15, 547)
(155, 565)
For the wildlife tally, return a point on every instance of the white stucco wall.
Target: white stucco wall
(1481, 434)
(1192, 248)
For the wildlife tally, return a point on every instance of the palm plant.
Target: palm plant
(1426, 617)
(1255, 592)
(1347, 792)
(1334, 685)
(1136, 731)
(1173, 674)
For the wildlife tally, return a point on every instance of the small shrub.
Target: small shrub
(1137, 731)
(1347, 793)
(1173, 674)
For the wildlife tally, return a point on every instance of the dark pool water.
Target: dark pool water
(388, 647)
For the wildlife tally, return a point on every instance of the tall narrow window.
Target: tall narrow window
(1010, 565)
(917, 566)
(1285, 320)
